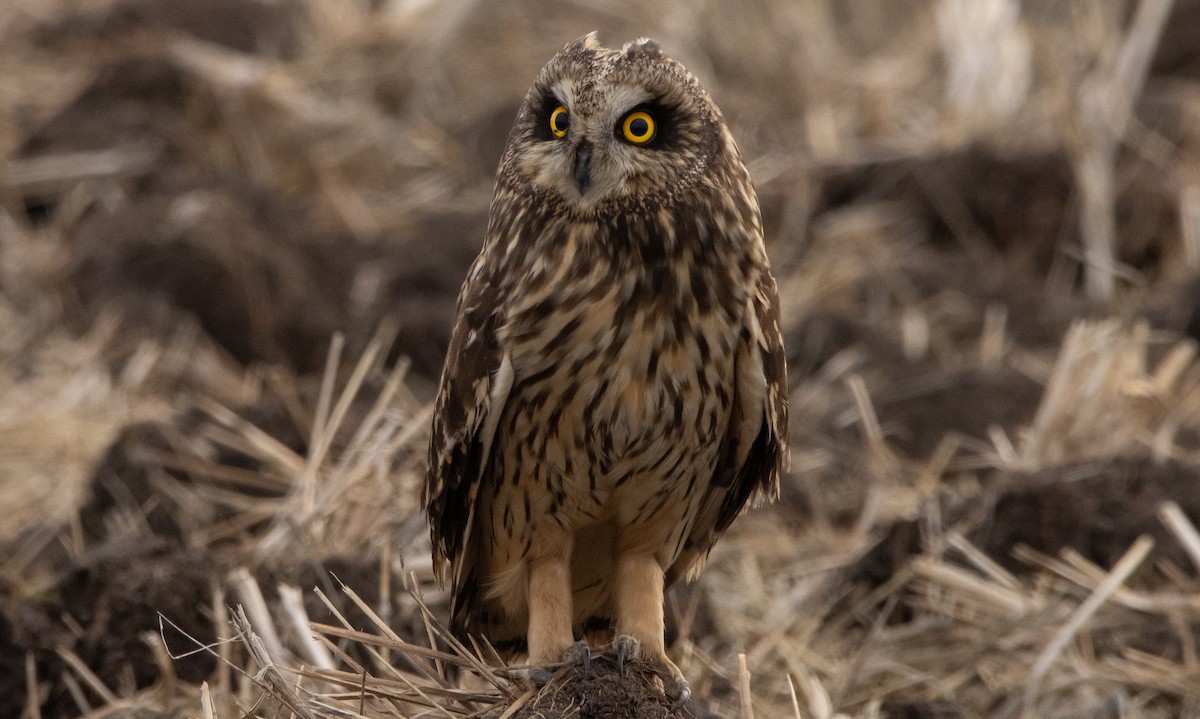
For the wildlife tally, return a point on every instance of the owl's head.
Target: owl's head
(604, 128)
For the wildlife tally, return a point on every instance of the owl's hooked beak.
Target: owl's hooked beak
(583, 165)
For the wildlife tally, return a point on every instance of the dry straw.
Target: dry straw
(876, 132)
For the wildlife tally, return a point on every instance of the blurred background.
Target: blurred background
(231, 237)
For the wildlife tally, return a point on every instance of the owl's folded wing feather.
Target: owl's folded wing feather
(471, 398)
(754, 452)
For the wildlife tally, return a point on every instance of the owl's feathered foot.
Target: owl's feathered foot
(625, 647)
(676, 687)
(578, 654)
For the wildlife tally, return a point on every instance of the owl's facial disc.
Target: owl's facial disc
(609, 130)
(596, 146)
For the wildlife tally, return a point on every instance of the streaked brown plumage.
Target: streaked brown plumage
(615, 390)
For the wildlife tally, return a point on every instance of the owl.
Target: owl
(615, 391)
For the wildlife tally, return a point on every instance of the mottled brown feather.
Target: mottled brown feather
(457, 449)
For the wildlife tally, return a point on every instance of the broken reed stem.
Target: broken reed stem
(866, 412)
(62, 169)
(251, 439)
(220, 619)
(163, 658)
(206, 702)
(983, 562)
(1105, 107)
(293, 606)
(1133, 63)
(76, 693)
(324, 440)
(1094, 176)
(387, 640)
(520, 702)
(253, 602)
(268, 676)
(746, 710)
(1125, 566)
(1184, 531)
(33, 707)
(992, 336)
(1001, 599)
(78, 666)
(795, 699)
(370, 424)
(320, 418)
(1189, 225)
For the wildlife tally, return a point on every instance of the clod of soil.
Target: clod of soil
(604, 692)
(1098, 511)
(112, 599)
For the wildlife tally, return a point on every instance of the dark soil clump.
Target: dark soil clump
(604, 692)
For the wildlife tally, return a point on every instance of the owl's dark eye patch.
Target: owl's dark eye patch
(551, 118)
(651, 124)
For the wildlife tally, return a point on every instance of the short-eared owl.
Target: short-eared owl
(615, 389)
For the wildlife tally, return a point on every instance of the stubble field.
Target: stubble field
(231, 237)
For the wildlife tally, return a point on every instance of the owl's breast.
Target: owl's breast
(622, 366)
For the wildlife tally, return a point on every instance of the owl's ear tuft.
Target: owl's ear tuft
(591, 41)
(642, 47)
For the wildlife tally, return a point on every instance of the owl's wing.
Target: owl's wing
(474, 388)
(755, 449)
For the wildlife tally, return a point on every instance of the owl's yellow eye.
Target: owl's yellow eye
(559, 121)
(638, 127)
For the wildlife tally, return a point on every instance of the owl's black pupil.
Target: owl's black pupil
(561, 121)
(639, 127)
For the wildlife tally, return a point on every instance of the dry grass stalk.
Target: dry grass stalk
(337, 691)
(33, 705)
(989, 57)
(965, 586)
(269, 675)
(293, 605)
(1189, 224)
(254, 605)
(1100, 400)
(819, 703)
(1183, 529)
(397, 689)
(89, 677)
(67, 168)
(744, 701)
(206, 703)
(1120, 572)
(1105, 108)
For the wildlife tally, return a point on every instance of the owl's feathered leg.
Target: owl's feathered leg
(549, 608)
(638, 604)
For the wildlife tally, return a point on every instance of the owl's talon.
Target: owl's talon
(540, 676)
(675, 686)
(679, 690)
(626, 648)
(579, 654)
